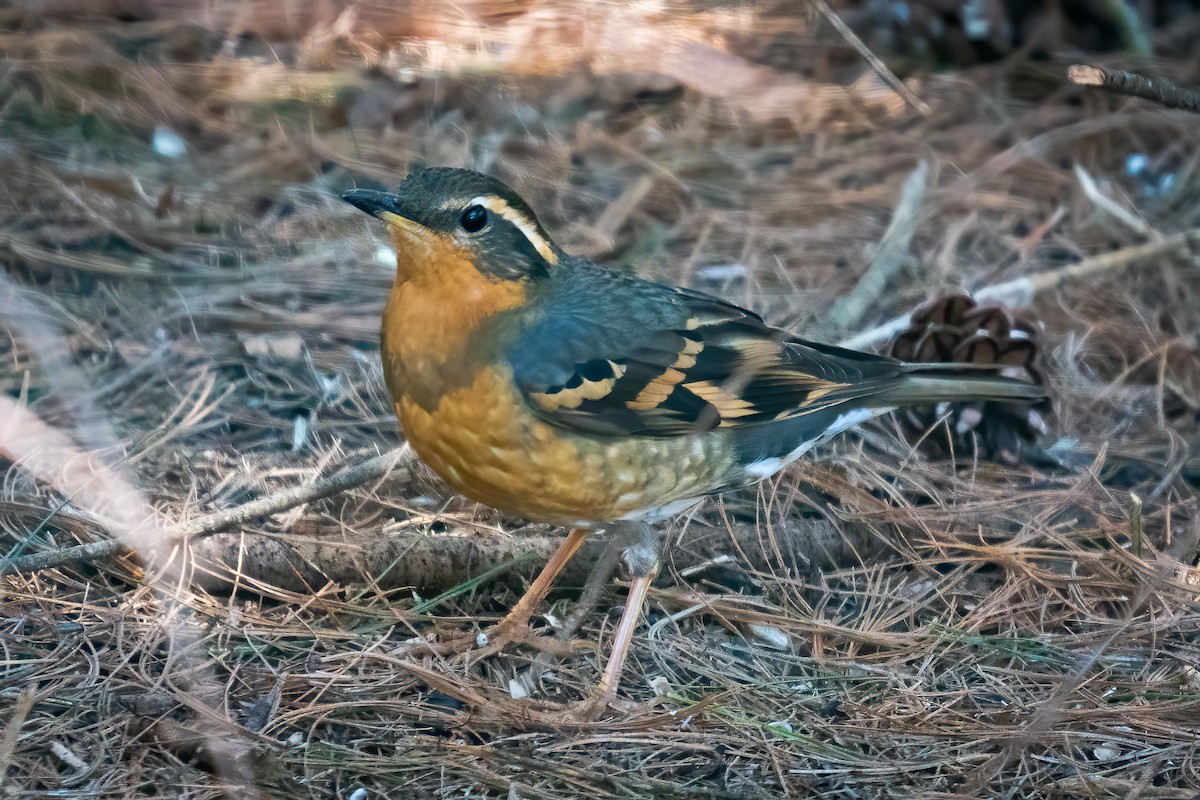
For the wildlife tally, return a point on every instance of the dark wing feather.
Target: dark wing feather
(615, 355)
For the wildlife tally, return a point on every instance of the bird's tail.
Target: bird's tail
(939, 383)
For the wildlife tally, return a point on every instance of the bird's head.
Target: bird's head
(445, 219)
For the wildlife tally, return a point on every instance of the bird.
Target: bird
(562, 391)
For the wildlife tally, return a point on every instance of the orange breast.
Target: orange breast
(465, 418)
(485, 442)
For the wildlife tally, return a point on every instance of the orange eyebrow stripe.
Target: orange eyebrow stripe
(522, 223)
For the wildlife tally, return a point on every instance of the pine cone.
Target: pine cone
(954, 328)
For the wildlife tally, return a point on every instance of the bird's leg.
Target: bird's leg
(643, 558)
(605, 566)
(589, 598)
(516, 622)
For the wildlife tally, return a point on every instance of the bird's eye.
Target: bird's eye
(473, 219)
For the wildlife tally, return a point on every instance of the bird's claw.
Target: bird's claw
(474, 647)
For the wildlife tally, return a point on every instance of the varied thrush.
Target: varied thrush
(558, 390)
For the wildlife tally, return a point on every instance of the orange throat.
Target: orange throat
(437, 304)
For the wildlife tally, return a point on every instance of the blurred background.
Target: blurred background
(973, 602)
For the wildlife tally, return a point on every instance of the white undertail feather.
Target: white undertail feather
(766, 467)
(657, 513)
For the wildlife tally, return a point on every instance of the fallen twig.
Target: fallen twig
(49, 559)
(318, 554)
(1020, 292)
(1160, 90)
(314, 553)
(349, 477)
(881, 69)
(346, 478)
(12, 729)
(1111, 207)
(889, 257)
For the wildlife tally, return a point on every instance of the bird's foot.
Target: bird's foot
(589, 709)
(474, 647)
(501, 636)
(601, 704)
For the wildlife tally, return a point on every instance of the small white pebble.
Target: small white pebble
(299, 431)
(296, 739)
(771, 636)
(516, 689)
(481, 639)
(68, 757)
(358, 794)
(1106, 752)
(168, 143)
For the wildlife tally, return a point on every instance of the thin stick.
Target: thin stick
(890, 255)
(12, 730)
(348, 478)
(1111, 207)
(1020, 292)
(49, 559)
(880, 68)
(1160, 90)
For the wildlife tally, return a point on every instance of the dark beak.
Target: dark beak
(373, 202)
